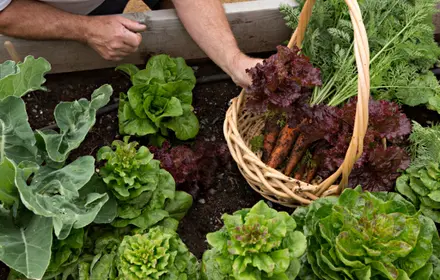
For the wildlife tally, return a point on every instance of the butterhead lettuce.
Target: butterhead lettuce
(363, 235)
(159, 100)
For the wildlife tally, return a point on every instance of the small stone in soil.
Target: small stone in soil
(202, 201)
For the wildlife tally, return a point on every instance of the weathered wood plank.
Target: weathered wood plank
(437, 21)
(257, 25)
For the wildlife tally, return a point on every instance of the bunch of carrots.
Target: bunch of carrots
(279, 142)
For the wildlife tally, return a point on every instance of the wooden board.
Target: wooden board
(257, 25)
(437, 21)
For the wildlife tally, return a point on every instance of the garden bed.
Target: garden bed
(140, 189)
(227, 192)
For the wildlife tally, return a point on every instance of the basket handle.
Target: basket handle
(362, 55)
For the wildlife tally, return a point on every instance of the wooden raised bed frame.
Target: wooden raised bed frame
(257, 25)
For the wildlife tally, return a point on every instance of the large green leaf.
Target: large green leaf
(109, 211)
(62, 194)
(74, 120)
(23, 77)
(17, 140)
(8, 192)
(27, 248)
(186, 126)
(130, 123)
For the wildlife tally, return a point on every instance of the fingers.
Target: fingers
(132, 25)
(132, 40)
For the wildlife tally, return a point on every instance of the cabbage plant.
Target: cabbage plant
(157, 255)
(254, 244)
(363, 235)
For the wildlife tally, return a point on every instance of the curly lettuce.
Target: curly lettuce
(158, 254)
(146, 193)
(159, 100)
(363, 235)
(257, 243)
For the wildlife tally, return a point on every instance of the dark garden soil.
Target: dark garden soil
(228, 191)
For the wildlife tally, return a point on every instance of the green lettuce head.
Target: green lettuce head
(145, 192)
(159, 100)
(158, 254)
(369, 236)
(254, 244)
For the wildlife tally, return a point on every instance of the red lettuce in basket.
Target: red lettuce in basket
(281, 80)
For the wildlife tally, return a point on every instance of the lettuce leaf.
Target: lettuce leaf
(420, 183)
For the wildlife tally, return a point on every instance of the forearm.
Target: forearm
(206, 22)
(30, 19)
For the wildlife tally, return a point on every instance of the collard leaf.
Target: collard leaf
(17, 140)
(74, 120)
(7, 68)
(108, 212)
(24, 77)
(26, 249)
(62, 195)
(8, 192)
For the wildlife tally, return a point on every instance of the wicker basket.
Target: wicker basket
(241, 126)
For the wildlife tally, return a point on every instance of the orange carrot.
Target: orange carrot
(298, 151)
(300, 172)
(311, 173)
(271, 132)
(284, 143)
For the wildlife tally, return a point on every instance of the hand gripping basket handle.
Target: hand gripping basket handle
(362, 54)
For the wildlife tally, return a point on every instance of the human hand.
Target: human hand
(238, 66)
(113, 37)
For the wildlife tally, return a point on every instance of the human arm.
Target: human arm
(206, 22)
(111, 36)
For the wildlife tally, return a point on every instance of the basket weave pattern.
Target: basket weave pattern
(241, 126)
